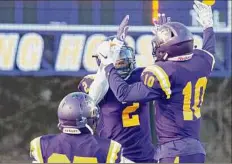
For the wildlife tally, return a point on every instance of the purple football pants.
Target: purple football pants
(195, 158)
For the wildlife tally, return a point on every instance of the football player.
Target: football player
(126, 123)
(177, 81)
(77, 115)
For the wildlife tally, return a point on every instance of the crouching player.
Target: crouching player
(126, 123)
(76, 144)
(177, 81)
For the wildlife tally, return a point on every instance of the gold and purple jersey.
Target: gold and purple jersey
(178, 110)
(74, 148)
(127, 123)
(178, 88)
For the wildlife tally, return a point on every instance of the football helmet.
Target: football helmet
(172, 39)
(125, 64)
(76, 111)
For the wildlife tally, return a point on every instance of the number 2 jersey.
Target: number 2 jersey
(74, 148)
(178, 89)
(126, 123)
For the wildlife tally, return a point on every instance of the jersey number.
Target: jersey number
(85, 86)
(61, 158)
(149, 81)
(134, 120)
(187, 92)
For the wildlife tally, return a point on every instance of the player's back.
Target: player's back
(72, 148)
(127, 123)
(179, 117)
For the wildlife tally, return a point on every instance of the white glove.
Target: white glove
(162, 19)
(123, 28)
(100, 85)
(108, 51)
(103, 53)
(204, 14)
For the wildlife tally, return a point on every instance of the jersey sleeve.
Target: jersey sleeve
(157, 77)
(85, 83)
(208, 57)
(99, 86)
(209, 44)
(114, 152)
(124, 92)
(36, 151)
(209, 41)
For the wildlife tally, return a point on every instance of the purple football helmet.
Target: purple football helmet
(125, 64)
(172, 39)
(76, 110)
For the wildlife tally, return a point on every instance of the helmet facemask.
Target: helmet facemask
(125, 64)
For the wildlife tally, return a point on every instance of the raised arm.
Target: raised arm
(205, 18)
(209, 41)
(99, 86)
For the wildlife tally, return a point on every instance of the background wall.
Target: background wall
(28, 103)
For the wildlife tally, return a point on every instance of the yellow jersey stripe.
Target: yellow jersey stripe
(177, 159)
(35, 146)
(162, 78)
(113, 152)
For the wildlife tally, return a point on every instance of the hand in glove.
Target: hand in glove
(108, 51)
(118, 42)
(103, 53)
(204, 14)
(123, 29)
(162, 19)
(156, 41)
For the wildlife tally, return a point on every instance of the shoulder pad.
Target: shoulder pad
(35, 150)
(155, 76)
(85, 83)
(210, 57)
(114, 152)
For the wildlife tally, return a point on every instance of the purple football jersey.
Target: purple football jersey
(74, 148)
(180, 115)
(126, 123)
(178, 88)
